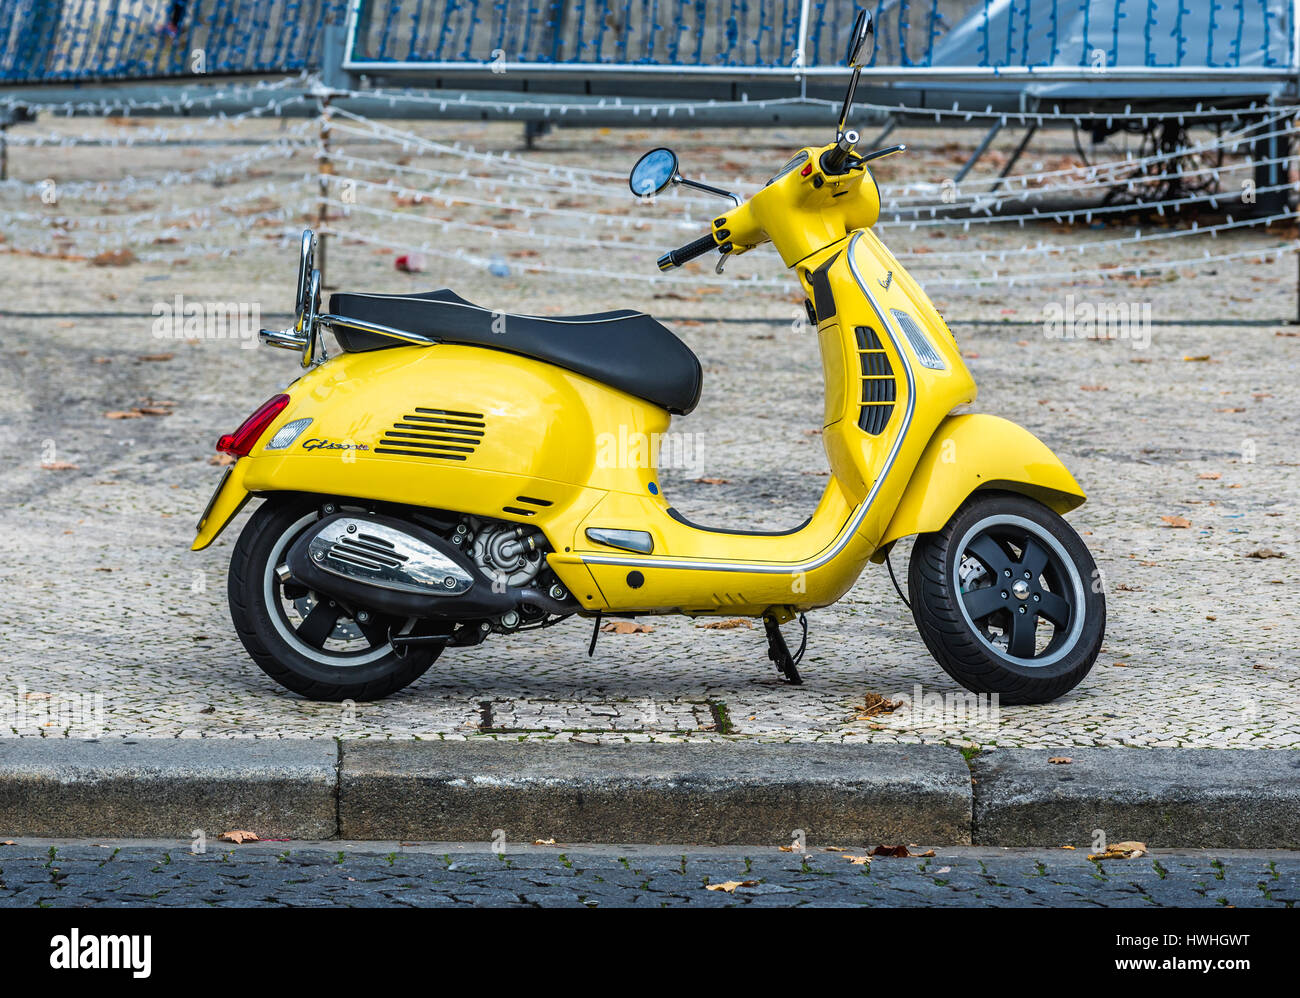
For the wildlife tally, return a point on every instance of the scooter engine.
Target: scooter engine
(509, 553)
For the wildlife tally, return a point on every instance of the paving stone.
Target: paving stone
(103, 599)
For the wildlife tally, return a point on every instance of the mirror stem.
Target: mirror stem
(848, 101)
(707, 189)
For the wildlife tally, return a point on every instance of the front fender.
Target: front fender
(977, 452)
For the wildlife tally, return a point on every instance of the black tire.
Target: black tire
(986, 652)
(374, 675)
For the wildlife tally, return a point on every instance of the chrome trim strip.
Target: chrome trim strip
(855, 519)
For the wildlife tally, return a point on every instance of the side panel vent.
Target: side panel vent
(439, 434)
(878, 383)
(531, 501)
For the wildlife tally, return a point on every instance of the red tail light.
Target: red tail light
(243, 439)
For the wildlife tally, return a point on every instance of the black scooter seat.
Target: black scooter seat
(624, 349)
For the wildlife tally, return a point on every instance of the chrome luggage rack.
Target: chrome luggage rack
(304, 334)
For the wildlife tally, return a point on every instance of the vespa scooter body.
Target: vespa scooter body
(576, 459)
(436, 483)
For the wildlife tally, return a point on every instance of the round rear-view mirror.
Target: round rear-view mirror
(858, 39)
(654, 173)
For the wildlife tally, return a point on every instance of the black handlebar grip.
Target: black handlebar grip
(835, 158)
(684, 254)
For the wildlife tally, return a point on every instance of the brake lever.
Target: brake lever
(724, 251)
(881, 153)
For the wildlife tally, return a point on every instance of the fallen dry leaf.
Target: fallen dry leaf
(237, 836)
(877, 704)
(59, 466)
(712, 481)
(900, 852)
(723, 625)
(152, 410)
(1060, 760)
(859, 860)
(1200, 357)
(544, 842)
(222, 459)
(113, 258)
(1210, 476)
(1071, 848)
(1265, 553)
(1176, 521)
(155, 358)
(730, 885)
(626, 627)
(1121, 850)
(122, 415)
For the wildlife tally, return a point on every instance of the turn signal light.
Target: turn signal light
(239, 443)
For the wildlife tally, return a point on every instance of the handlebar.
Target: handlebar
(835, 158)
(684, 254)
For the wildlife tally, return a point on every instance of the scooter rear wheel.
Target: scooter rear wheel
(301, 639)
(1006, 599)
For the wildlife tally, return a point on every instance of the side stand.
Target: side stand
(779, 652)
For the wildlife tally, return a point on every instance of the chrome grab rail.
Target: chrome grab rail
(285, 339)
(304, 334)
(292, 339)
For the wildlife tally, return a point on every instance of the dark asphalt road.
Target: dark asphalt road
(325, 874)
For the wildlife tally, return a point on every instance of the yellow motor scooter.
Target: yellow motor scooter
(449, 475)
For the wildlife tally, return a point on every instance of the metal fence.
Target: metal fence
(84, 40)
(928, 38)
(74, 40)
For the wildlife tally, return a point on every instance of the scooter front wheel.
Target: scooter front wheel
(1007, 599)
(303, 640)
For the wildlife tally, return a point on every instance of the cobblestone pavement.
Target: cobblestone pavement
(103, 604)
(331, 874)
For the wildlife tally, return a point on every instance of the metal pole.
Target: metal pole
(979, 151)
(1015, 156)
(884, 133)
(1295, 68)
(801, 49)
(324, 170)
